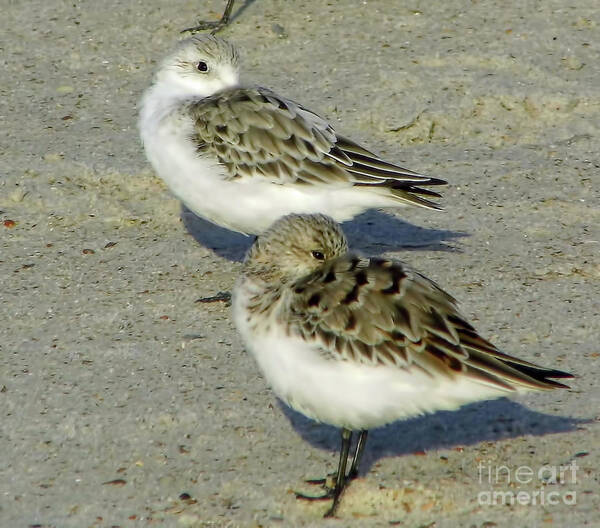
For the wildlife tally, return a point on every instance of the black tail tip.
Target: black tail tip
(559, 374)
(435, 181)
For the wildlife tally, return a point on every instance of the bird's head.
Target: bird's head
(200, 66)
(296, 246)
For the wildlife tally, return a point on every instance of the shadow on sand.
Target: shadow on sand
(371, 233)
(486, 421)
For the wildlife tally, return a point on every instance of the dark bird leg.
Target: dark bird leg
(353, 473)
(214, 25)
(340, 477)
(340, 481)
(360, 447)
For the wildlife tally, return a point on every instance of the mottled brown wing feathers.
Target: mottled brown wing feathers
(378, 311)
(254, 132)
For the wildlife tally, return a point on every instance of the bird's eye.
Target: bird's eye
(202, 67)
(318, 255)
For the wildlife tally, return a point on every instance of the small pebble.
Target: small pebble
(279, 30)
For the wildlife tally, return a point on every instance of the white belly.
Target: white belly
(348, 394)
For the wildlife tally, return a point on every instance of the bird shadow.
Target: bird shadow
(227, 244)
(373, 233)
(487, 421)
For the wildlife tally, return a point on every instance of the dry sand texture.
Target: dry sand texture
(119, 394)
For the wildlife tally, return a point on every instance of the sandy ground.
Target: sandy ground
(124, 402)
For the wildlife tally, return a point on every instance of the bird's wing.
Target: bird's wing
(256, 133)
(380, 312)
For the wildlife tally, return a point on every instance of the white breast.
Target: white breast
(166, 133)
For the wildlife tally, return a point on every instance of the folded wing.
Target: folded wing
(256, 133)
(381, 312)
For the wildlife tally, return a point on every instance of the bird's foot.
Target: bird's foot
(215, 26)
(329, 494)
(222, 296)
(332, 491)
(327, 482)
